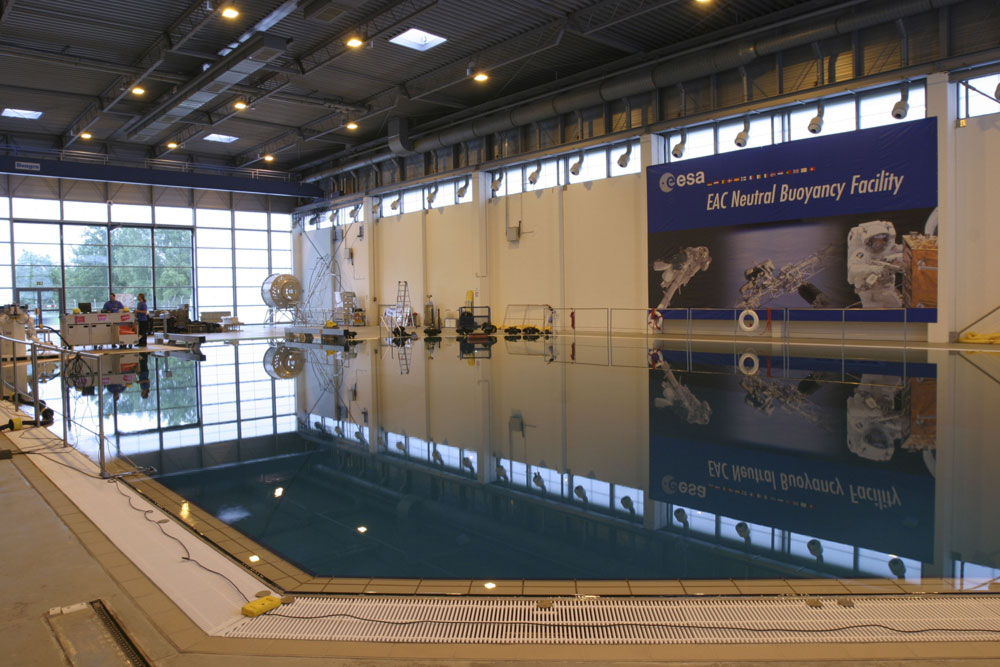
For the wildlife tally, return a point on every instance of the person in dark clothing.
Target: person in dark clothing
(144, 374)
(112, 305)
(142, 318)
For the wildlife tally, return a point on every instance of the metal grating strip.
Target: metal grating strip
(630, 621)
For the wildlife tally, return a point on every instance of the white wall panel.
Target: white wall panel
(605, 244)
(399, 256)
(977, 219)
(527, 270)
(451, 255)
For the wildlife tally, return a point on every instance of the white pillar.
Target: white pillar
(942, 103)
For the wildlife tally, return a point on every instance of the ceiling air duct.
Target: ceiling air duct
(243, 61)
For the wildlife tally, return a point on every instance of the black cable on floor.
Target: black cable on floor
(145, 513)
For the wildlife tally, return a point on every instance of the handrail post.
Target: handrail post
(34, 383)
(16, 393)
(64, 392)
(100, 413)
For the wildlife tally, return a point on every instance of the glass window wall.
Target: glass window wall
(157, 250)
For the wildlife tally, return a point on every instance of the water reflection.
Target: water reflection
(155, 402)
(576, 458)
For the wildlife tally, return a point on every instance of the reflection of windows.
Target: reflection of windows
(545, 480)
(628, 500)
(597, 493)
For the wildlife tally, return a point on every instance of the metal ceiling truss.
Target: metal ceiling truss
(95, 65)
(372, 27)
(525, 45)
(223, 112)
(196, 16)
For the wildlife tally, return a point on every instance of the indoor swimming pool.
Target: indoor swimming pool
(565, 459)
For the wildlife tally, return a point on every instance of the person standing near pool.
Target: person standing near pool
(142, 317)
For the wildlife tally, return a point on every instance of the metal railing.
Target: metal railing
(775, 323)
(36, 400)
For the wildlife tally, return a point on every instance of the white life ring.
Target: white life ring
(655, 319)
(754, 320)
(754, 363)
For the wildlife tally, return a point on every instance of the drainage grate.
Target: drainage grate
(630, 621)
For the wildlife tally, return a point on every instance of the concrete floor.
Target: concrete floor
(54, 557)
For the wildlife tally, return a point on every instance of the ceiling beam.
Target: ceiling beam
(526, 45)
(249, 91)
(227, 110)
(373, 26)
(192, 20)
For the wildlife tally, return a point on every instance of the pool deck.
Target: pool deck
(62, 549)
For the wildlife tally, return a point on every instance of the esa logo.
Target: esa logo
(672, 486)
(668, 181)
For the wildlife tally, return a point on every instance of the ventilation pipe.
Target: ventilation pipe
(668, 73)
(399, 136)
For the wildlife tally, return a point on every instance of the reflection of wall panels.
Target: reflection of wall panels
(923, 414)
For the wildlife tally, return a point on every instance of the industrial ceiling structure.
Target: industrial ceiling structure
(306, 85)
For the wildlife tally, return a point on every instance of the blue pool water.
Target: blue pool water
(586, 459)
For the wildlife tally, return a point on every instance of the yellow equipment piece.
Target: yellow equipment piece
(980, 338)
(330, 324)
(125, 309)
(261, 606)
(16, 424)
(76, 311)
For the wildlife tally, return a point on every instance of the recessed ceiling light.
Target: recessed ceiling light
(240, 105)
(171, 145)
(139, 90)
(481, 76)
(351, 125)
(230, 12)
(268, 158)
(279, 491)
(86, 135)
(414, 38)
(490, 585)
(254, 558)
(354, 41)
(22, 113)
(362, 529)
(221, 138)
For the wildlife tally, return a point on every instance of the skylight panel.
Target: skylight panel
(414, 38)
(22, 113)
(221, 138)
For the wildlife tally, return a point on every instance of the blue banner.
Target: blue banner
(821, 225)
(881, 169)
